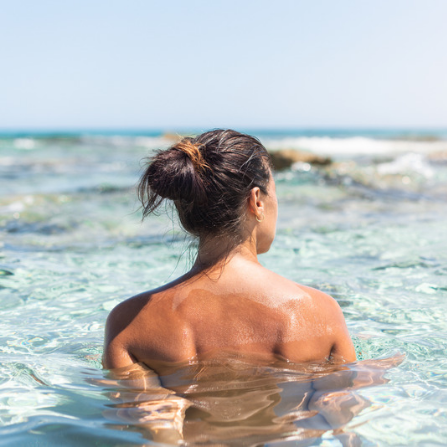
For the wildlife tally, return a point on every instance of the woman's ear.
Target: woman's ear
(255, 202)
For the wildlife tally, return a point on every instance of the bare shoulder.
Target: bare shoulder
(315, 326)
(118, 331)
(123, 313)
(300, 297)
(143, 328)
(325, 308)
(321, 298)
(304, 294)
(331, 312)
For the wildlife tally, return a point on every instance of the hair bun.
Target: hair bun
(208, 178)
(193, 152)
(175, 174)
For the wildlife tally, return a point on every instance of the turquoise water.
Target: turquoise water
(370, 230)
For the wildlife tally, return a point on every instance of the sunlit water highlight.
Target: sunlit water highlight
(370, 230)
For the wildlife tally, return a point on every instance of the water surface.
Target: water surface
(369, 230)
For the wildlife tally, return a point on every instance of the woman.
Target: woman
(222, 187)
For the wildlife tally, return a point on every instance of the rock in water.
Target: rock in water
(285, 158)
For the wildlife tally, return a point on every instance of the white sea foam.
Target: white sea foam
(320, 145)
(126, 141)
(24, 143)
(354, 145)
(407, 163)
(14, 207)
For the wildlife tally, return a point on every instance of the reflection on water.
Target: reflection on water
(231, 400)
(368, 229)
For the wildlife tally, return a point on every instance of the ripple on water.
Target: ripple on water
(70, 255)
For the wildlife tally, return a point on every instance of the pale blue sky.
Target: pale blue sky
(203, 64)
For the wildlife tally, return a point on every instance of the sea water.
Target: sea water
(369, 229)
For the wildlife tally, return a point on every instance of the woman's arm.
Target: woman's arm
(343, 348)
(332, 318)
(116, 353)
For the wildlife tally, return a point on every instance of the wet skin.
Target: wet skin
(243, 400)
(229, 303)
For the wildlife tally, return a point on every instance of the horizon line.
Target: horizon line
(172, 129)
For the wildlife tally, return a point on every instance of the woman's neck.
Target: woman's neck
(218, 251)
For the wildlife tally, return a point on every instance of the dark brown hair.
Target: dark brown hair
(208, 178)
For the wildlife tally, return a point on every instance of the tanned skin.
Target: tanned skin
(229, 302)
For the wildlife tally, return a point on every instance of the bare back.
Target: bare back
(242, 308)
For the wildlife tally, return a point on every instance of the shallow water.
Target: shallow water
(370, 230)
